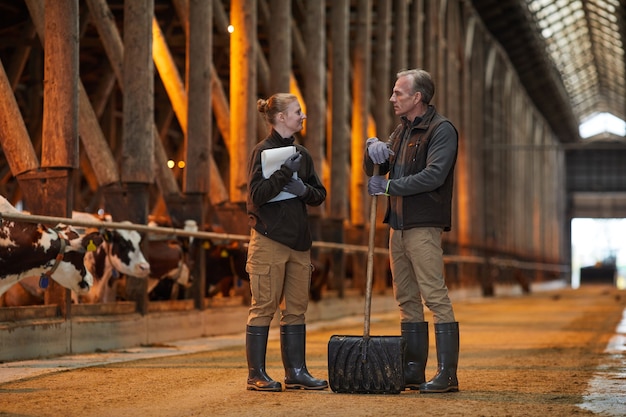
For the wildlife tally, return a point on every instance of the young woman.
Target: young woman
(281, 183)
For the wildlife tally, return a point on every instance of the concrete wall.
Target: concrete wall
(50, 336)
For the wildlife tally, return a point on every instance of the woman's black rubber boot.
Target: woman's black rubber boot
(292, 348)
(256, 348)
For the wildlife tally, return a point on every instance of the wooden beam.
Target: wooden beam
(16, 144)
(243, 65)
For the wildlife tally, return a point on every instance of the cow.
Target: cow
(169, 269)
(319, 277)
(225, 268)
(26, 292)
(34, 249)
(119, 253)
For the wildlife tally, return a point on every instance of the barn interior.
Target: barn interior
(152, 117)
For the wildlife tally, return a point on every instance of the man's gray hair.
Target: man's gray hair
(422, 82)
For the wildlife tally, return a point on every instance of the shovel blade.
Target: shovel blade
(360, 365)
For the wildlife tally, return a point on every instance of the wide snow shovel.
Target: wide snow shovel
(366, 364)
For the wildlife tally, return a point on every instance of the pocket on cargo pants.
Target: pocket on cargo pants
(263, 302)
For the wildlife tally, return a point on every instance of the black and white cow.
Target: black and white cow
(34, 249)
(118, 254)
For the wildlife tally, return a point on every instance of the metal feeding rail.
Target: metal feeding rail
(348, 248)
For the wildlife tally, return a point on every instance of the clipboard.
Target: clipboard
(271, 160)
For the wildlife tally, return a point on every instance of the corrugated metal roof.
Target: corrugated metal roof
(582, 41)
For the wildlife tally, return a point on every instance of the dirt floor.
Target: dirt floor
(520, 356)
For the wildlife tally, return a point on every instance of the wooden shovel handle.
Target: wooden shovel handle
(370, 264)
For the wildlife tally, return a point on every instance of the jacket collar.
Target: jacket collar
(420, 122)
(275, 137)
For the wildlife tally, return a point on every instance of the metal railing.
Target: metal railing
(347, 248)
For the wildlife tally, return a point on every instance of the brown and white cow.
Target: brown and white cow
(170, 262)
(34, 249)
(118, 254)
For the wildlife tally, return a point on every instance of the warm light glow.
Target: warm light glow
(170, 164)
(181, 164)
(231, 28)
(172, 81)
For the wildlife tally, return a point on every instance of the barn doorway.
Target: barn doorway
(598, 251)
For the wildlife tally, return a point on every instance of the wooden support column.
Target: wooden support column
(243, 120)
(416, 34)
(361, 81)
(230, 216)
(138, 70)
(137, 167)
(280, 46)
(91, 135)
(50, 191)
(400, 38)
(60, 121)
(315, 98)
(338, 150)
(199, 59)
(114, 48)
(198, 149)
(360, 199)
(381, 68)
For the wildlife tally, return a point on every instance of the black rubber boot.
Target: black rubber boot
(415, 337)
(447, 341)
(256, 347)
(292, 348)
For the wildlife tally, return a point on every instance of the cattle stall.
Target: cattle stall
(148, 110)
(120, 324)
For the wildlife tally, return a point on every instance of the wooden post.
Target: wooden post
(137, 168)
(243, 120)
(400, 38)
(338, 151)
(114, 48)
(315, 98)
(50, 191)
(280, 46)
(361, 82)
(93, 140)
(416, 34)
(199, 126)
(198, 149)
(381, 70)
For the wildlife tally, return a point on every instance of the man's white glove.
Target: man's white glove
(378, 185)
(378, 151)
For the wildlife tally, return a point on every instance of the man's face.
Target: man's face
(404, 102)
(294, 117)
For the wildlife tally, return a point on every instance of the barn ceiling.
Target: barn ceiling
(569, 54)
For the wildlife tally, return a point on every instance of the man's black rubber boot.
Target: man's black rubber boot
(415, 337)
